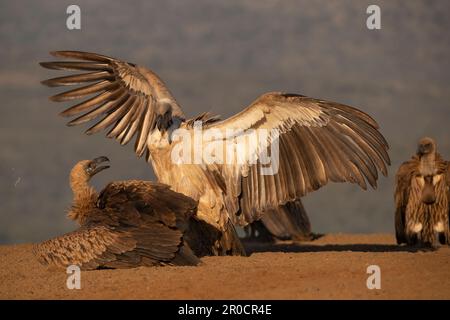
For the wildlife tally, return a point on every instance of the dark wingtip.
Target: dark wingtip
(81, 55)
(48, 83)
(47, 65)
(65, 114)
(44, 64)
(88, 132)
(76, 122)
(63, 53)
(56, 98)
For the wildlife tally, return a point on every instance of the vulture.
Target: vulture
(312, 141)
(422, 197)
(128, 224)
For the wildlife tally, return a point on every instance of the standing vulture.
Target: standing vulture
(316, 141)
(127, 224)
(422, 197)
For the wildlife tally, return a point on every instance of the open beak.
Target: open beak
(96, 165)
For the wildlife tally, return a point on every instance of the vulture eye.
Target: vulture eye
(89, 168)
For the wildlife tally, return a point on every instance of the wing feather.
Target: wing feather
(133, 99)
(319, 141)
(75, 66)
(88, 247)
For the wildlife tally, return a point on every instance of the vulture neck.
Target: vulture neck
(428, 164)
(84, 197)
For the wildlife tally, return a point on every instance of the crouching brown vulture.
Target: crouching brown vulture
(128, 224)
(422, 197)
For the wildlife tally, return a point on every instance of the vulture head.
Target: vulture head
(426, 146)
(84, 170)
(84, 194)
(94, 166)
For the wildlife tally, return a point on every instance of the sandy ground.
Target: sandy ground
(332, 267)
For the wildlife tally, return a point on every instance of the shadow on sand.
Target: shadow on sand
(252, 247)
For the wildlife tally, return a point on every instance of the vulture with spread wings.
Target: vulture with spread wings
(316, 141)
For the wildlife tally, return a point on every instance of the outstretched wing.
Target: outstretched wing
(402, 191)
(128, 99)
(143, 225)
(88, 247)
(318, 141)
(97, 246)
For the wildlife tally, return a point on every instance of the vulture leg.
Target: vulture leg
(412, 239)
(443, 235)
(400, 226)
(229, 242)
(185, 256)
(442, 238)
(257, 231)
(287, 222)
(448, 230)
(205, 240)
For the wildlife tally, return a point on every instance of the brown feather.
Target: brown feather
(78, 79)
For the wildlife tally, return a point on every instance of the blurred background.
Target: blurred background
(219, 57)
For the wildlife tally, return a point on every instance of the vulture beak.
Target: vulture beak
(95, 166)
(421, 150)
